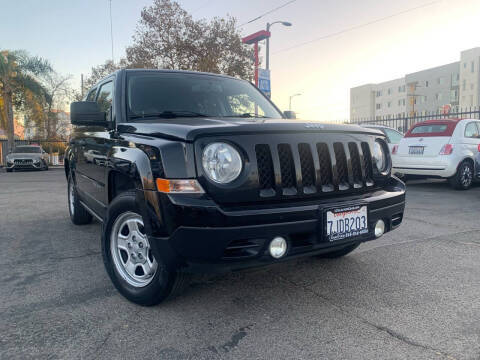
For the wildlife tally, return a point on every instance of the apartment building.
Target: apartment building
(451, 86)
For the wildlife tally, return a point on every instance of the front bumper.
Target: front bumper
(25, 166)
(204, 237)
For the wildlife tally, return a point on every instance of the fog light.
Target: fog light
(379, 228)
(278, 247)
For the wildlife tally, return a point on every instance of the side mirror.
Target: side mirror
(87, 113)
(290, 114)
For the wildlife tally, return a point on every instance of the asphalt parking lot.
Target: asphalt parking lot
(413, 294)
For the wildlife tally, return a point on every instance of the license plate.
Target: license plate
(416, 150)
(346, 223)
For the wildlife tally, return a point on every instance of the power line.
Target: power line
(268, 12)
(357, 26)
(201, 6)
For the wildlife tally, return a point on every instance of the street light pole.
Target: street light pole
(290, 101)
(267, 50)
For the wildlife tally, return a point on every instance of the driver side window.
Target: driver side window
(104, 97)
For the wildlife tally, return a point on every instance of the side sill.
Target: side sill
(93, 213)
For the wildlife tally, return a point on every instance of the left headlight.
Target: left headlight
(381, 156)
(221, 162)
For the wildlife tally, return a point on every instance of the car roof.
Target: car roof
(374, 126)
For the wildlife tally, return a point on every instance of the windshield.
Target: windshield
(192, 95)
(27, 150)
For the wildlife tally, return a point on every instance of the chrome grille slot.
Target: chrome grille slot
(266, 175)
(342, 169)
(308, 169)
(356, 165)
(326, 175)
(287, 169)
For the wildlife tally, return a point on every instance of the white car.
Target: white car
(393, 136)
(440, 148)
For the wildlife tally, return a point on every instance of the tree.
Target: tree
(168, 37)
(19, 75)
(100, 71)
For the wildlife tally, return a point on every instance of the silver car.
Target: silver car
(27, 157)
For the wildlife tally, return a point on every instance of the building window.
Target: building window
(378, 106)
(464, 84)
(389, 104)
(441, 80)
(438, 96)
(464, 65)
(379, 93)
(472, 66)
(399, 89)
(426, 83)
(403, 102)
(454, 96)
(389, 91)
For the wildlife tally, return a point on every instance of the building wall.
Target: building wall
(429, 90)
(390, 98)
(469, 77)
(362, 102)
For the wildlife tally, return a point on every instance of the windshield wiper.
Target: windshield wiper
(168, 114)
(248, 115)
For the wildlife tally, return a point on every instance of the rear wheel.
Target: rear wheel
(9, 170)
(78, 214)
(463, 178)
(129, 260)
(339, 253)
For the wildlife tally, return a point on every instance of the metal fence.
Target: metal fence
(54, 148)
(402, 124)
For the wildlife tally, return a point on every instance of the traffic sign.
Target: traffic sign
(264, 81)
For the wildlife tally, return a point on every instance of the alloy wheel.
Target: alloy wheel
(130, 250)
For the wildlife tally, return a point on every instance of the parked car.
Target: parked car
(27, 157)
(440, 148)
(392, 136)
(203, 173)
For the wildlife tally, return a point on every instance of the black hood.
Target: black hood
(188, 129)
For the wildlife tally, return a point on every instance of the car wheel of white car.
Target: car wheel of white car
(463, 178)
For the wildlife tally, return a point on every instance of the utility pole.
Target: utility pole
(81, 84)
(267, 50)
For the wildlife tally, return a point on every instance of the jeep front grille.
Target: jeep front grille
(302, 170)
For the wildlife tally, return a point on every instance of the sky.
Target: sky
(74, 35)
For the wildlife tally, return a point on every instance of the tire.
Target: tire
(9, 170)
(45, 167)
(463, 178)
(144, 279)
(339, 253)
(78, 214)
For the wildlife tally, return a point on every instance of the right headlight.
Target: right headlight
(221, 162)
(380, 155)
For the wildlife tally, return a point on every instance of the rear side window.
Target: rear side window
(471, 130)
(428, 129)
(393, 136)
(433, 128)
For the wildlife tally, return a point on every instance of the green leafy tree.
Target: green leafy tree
(20, 75)
(168, 37)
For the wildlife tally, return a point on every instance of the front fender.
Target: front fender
(134, 163)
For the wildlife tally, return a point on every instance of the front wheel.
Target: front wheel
(463, 178)
(9, 170)
(128, 257)
(339, 253)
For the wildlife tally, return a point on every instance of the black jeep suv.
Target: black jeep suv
(194, 172)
